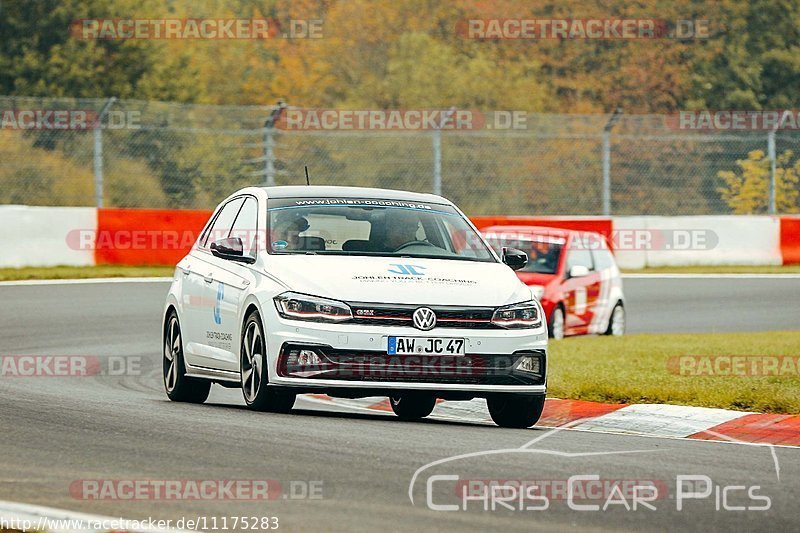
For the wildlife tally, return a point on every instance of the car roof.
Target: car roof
(316, 191)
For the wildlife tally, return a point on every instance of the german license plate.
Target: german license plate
(425, 346)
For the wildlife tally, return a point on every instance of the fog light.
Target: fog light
(308, 358)
(528, 363)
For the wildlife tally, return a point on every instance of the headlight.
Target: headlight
(312, 308)
(518, 316)
(538, 291)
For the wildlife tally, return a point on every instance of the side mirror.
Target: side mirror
(514, 258)
(578, 271)
(231, 249)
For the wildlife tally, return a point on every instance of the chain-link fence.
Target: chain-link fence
(152, 154)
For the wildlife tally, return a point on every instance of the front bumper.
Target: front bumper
(359, 357)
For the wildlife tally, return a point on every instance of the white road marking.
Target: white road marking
(661, 420)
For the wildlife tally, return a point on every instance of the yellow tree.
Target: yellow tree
(746, 190)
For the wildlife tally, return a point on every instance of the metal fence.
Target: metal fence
(155, 154)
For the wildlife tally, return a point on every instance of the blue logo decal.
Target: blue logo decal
(218, 305)
(279, 245)
(407, 270)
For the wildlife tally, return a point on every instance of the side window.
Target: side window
(245, 225)
(578, 256)
(603, 259)
(222, 225)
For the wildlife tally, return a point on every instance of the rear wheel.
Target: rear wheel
(257, 395)
(412, 406)
(557, 323)
(616, 324)
(179, 387)
(515, 410)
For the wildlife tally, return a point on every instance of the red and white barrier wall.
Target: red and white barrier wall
(654, 241)
(79, 236)
(39, 236)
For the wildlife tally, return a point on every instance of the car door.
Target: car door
(199, 307)
(226, 285)
(580, 292)
(609, 278)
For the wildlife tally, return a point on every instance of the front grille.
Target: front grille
(400, 316)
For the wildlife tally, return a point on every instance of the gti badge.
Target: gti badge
(424, 319)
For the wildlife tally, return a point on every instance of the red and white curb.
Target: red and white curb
(26, 517)
(654, 420)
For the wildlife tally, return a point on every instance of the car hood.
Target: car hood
(400, 280)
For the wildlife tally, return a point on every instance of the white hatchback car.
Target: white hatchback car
(353, 292)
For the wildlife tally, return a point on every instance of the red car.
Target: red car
(572, 273)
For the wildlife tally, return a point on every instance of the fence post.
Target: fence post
(269, 143)
(607, 160)
(437, 151)
(772, 169)
(98, 152)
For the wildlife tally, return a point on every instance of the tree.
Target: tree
(39, 56)
(746, 191)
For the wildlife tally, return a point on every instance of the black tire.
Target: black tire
(557, 315)
(515, 410)
(178, 387)
(253, 371)
(616, 328)
(412, 406)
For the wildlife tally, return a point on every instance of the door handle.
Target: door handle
(186, 271)
(209, 278)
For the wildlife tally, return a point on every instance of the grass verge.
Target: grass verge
(121, 271)
(721, 269)
(68, 272)
(636, 369)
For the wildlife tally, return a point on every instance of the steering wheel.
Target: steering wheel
(414, 243)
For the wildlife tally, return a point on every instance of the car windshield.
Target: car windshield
(364, 227)
(543, 252)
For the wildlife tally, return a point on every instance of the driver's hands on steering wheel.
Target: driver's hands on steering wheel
(413, 243)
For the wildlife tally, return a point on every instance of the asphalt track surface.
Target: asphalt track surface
(56, 431)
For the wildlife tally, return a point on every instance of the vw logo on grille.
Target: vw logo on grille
(424, 319)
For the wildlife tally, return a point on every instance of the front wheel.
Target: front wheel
(257, 395)
(412, 406)
(515, 410)
(616, 324)
(179, 387)
(557, 323)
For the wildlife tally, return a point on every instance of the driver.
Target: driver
(287, 230)
(401, 229)
(546, 254)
